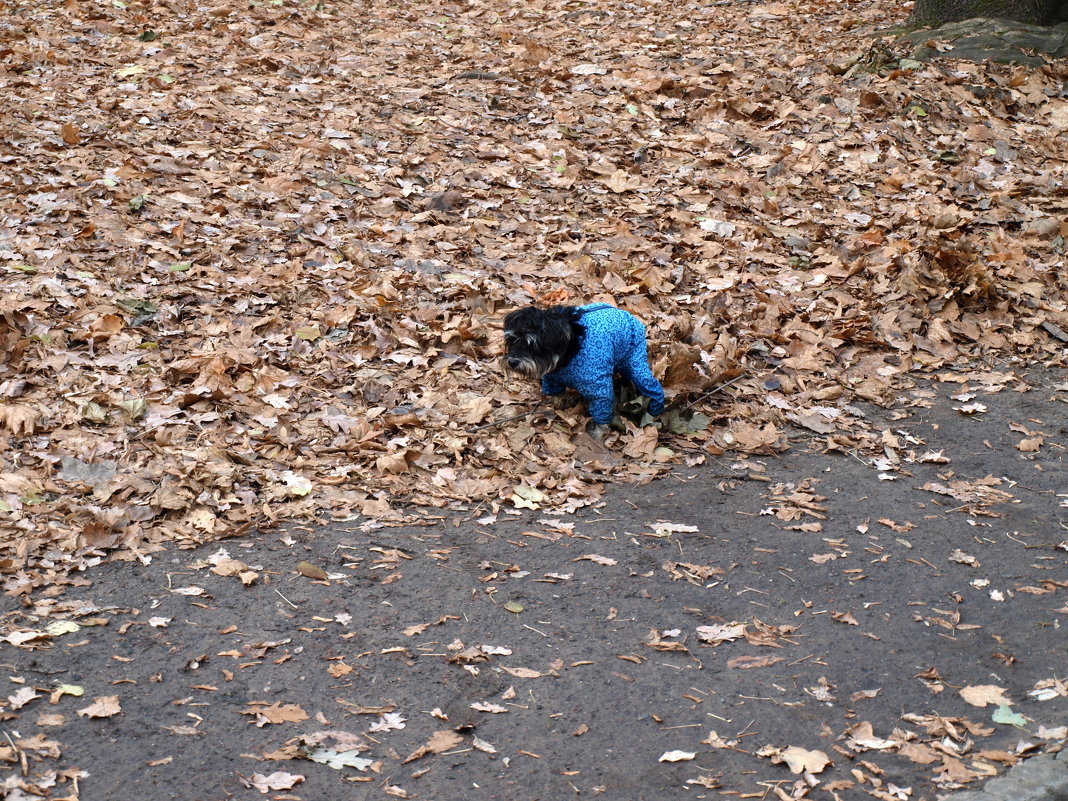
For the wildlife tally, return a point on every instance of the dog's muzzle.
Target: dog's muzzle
(527, 367)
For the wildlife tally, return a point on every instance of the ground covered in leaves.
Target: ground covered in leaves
(254, 260)
(804, 627)
(254, 256)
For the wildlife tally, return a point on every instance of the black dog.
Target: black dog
(582, 347)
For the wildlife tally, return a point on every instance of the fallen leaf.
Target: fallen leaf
(750, 662)
(279, 780)
(677, 756)
(482, 706)
(592, 557)
(308, 570)
(21, 697)
(521, 672)
(1004, 714)
(721, 632)
(340, 759)
(984, 695)
(800, 760)
(264, 714)
(440, 741)
(105, 706)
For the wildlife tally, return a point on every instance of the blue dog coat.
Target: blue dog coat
(614, 343)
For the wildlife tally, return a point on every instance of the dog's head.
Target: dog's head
(539, 341)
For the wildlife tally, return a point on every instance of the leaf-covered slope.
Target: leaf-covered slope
(254, 258)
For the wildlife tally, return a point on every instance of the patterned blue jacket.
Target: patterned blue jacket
(614, 343)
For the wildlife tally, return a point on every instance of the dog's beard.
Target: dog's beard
(531, 366)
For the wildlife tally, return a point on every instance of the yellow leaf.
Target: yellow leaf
(311, 571)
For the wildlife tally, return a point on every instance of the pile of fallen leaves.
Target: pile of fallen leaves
(255, 256)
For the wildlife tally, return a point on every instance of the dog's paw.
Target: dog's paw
(596, 430)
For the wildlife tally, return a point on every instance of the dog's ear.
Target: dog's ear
(571, 314)
(529, 317)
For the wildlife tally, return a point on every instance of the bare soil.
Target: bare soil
(589, 670)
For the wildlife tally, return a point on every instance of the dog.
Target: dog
(582, 347)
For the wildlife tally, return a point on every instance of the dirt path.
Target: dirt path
(548, 657)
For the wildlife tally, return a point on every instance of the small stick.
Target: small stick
(714, 390)
(23, 762)
(287, 600)
(510, 419)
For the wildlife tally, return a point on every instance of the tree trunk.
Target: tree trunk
(1036, 12)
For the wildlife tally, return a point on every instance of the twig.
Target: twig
(714, 390)
(287, 600)
(510, 419)
(45, 672)
(23, 762)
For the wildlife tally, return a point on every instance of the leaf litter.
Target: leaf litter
(236, 295)
(257, 274)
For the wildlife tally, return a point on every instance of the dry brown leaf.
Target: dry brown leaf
(279, 780)
(749, 662)
(20, 420)
(801, 760)
(862, 738)
(521, 672)
(338, 669)
(1030, 444)
(984, 695)
(105, 706)
(440, 742)
(592, 557)
(264, 714)
(721, 632)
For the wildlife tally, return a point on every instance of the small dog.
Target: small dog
(582, 347)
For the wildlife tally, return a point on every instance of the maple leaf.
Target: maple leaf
(339, 669)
